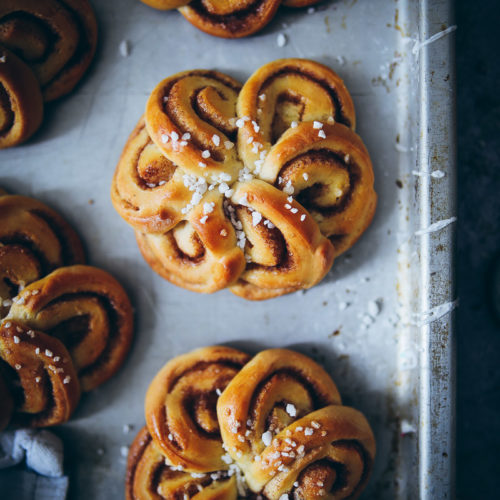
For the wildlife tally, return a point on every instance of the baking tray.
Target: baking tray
(395, 365)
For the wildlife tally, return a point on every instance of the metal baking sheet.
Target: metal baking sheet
(395, 365)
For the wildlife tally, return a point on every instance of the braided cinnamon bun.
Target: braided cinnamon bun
(151, 476)
(88, 311)
(266, 217)
(282, 422)
(56, 38)
(227, 19)
(21, 102)
(39, 373)
(180, 407)
(34, 240)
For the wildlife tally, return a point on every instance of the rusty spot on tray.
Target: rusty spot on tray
(335, 333)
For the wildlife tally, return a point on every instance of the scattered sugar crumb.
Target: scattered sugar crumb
(125, 48)
(281, 40)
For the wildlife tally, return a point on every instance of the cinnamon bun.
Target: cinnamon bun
(283, 423)
(256, 190)
(227, 19)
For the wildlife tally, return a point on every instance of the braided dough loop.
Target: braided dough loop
(149, 477)
(21, 102)
(45, 374)
(180, 406)
(148, 189)
(331, 177)
(334, 462)
(88, 310)
(291, 256)
(34, 240)
(202, 257)
(284, 91)
(201, 104)
(282, 421)
(56, 38)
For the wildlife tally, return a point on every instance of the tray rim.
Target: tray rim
(437, 202)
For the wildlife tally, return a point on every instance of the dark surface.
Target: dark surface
(478, 342)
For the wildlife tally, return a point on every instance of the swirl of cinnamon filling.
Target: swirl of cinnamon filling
(283, 423)
(280, 95)
(180, 407)
(39, 374)
(191, 118)
(200, 253)
(88, 311)
(148, 190)
(284, 247)
(56, 38)
(21, 102)
(150, 476)
(34, 240)
(331, 177)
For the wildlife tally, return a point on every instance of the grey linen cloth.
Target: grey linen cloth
(43, 452)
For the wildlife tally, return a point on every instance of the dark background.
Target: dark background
(478, 248)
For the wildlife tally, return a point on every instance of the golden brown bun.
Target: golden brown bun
(88, 311)
(40, 375)
(265, 216)
(56, 38)
(150, 476)
(21, 102)
(180, 406)
(282, 422)
(227, 18)
(34, 240)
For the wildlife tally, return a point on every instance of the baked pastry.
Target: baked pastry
(180, 406)
(56, 38)
(233, 19)
(67, 332)
(283, 431)
(45, 48)
(255, 189)
(39, 375)
(34, 240)
(21, 101)
(283, 423)
(150, 475)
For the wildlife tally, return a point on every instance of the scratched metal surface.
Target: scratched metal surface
(396, 366)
